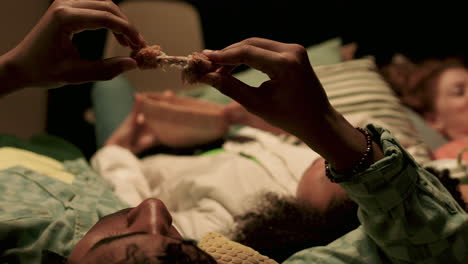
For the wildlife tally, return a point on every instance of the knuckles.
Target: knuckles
(297, 55)
(245, 51)
(62, 12)
(251, 41)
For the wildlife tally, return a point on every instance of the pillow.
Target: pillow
(325, 53)
(358, 91)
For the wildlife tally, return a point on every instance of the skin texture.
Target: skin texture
(316, 190)
(34, 63)
(149, 226)
(450, 115)
(134, 134)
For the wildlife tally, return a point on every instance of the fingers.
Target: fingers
(79, 19)
(101, 70)
(260, 43)
(235, 113)
(267, 61)
(232, 87)
(106, 6)
(137, 104)
(226, 69)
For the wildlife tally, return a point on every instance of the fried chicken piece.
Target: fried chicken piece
(193, 66)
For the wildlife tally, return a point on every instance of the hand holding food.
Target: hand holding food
(193, 66)
(293, 99)
(48, 57)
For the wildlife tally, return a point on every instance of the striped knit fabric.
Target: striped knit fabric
(355, 88)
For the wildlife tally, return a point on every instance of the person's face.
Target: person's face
(450, 115)
(147, 227)
(316, 190)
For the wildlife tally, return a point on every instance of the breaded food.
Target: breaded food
(193, 66)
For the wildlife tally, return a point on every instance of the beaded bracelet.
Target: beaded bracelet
(360, 166)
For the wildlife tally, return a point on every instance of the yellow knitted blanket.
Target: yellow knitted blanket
(226, 251)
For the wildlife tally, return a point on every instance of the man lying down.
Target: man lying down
(406, 214)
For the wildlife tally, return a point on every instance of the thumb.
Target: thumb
(105, 69)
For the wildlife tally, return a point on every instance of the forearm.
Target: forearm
(11, 78)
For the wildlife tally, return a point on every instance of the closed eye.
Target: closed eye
(458, 89)
(108, 240)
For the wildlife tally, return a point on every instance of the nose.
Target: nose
(150, 216)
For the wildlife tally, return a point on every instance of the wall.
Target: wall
(22, 113)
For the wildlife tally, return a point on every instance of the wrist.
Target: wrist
(339, 142)
(12, 75)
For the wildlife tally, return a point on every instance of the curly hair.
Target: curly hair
(451, 184)
(280, 226)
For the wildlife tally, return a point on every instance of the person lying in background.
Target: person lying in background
(436, 90)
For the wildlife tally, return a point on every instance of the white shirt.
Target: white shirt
(203, 193)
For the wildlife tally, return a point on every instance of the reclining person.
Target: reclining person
(197, 189)
(53, 207)
(437, 91)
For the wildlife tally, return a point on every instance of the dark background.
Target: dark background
(381, 29)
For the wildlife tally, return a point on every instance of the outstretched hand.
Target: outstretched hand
(47, 56)
(293, 99)
(292, 96)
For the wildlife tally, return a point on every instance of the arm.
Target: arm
(169, 120)
(47, 56)
(403, 208)
(10, 77)
(237, 114)
(301, 109)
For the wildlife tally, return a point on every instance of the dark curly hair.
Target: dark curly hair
(281, 226)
